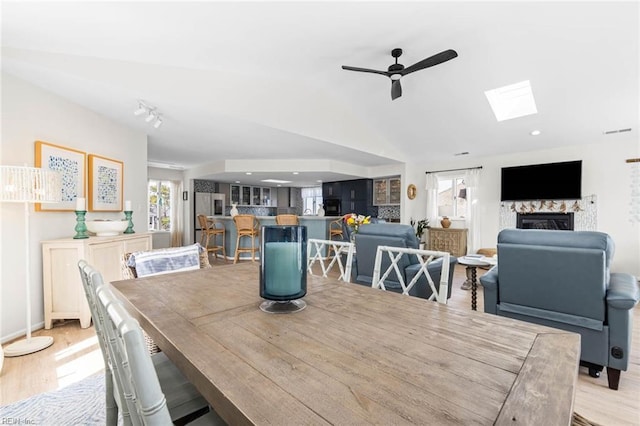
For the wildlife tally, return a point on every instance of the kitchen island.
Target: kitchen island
(317, 227)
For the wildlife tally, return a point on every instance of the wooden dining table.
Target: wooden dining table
(355, 355)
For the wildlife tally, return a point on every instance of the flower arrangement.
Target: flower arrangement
(355, 220)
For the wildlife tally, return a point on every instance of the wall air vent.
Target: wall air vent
(611, 132)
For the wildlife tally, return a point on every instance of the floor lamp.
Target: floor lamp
(28, 185)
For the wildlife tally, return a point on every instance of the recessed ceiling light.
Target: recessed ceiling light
(512, 101)
(295, 173)
(319, 181)
(237, 181)
(275, 181)
(247, 173)
(278, 185)
(535, 132)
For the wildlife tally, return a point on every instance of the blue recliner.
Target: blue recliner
(367, 240)
(562, 279)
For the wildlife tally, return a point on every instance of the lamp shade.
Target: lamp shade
(445, 211)
(29, 185)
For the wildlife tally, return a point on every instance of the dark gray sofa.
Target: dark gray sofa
(367, 240)
(562, 279)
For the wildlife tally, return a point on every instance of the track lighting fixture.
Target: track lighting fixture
(142, 108)
(153, 115)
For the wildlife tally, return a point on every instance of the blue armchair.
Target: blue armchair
(367, 240)
(562, 279)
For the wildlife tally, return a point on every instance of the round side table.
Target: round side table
(472, 263)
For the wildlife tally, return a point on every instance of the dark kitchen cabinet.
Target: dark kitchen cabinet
(356, 196)
(331, 190)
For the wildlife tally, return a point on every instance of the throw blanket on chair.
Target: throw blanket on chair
(149, 263)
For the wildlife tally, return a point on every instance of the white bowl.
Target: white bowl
(106, 228)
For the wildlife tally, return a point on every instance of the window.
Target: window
(452, 197)
(311, 199)
(159, 205)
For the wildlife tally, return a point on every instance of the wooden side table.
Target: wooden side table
(451, 240)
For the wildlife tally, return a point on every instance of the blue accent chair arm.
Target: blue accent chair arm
(489, 283)
(623, 292)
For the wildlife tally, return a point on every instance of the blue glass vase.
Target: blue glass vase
(283, 270)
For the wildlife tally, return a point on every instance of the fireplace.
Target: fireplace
(559, 221)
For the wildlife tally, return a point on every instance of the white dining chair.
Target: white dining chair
(316, 250)
(182, 398)
(98, 324)
(440, 293)
(148, 401)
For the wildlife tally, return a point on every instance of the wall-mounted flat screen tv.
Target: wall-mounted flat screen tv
(550, 181)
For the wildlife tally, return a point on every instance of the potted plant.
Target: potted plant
(420, 226)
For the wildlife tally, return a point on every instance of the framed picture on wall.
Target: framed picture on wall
(71, 164)
(105, 184)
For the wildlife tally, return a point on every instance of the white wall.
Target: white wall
(30, 113)
(604, 173)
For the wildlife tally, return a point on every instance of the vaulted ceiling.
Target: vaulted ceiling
(263, 80)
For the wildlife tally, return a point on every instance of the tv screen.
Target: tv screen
(551, 181)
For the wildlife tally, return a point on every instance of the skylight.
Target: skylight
(512, 101)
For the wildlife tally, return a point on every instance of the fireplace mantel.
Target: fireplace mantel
(584, 211)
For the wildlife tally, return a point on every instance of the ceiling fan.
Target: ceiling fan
(396, 71)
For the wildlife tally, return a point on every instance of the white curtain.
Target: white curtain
(177, 216)
(432, 198)
(472, 182)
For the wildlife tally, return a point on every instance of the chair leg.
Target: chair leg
(253, 248)
(224, 253)
(613, 376)
(237, 254)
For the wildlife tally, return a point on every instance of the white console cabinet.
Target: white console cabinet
(64, 296)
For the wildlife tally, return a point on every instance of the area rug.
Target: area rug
(82, 403)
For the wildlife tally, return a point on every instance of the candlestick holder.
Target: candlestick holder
(81, 227)
(127, 215)
(283, 270)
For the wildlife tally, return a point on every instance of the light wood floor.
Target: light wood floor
(75, 355)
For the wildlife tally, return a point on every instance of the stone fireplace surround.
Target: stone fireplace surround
(584, 211)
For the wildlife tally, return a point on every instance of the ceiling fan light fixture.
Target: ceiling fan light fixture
(396, 70)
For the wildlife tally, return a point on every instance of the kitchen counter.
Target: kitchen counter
(317, 227)
(310, 217)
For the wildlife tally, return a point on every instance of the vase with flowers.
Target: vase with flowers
(354, 221)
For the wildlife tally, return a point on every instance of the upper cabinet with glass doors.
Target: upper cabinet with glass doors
(250, 195)
(387, 191)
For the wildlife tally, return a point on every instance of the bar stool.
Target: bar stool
(335, 232)
(287, 219)
(335, 229)
(246, 226)
(210, 229)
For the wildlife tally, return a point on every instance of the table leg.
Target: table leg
(474, 288)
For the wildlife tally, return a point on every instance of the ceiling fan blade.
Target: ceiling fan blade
(348, 68)
(436, 59)
(396, 89)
